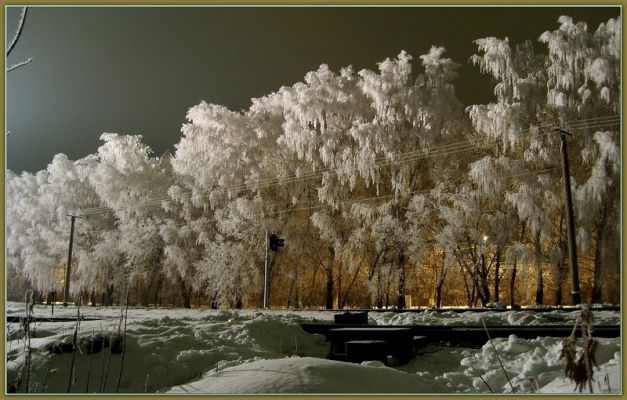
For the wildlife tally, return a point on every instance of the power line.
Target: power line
(314, 174)
(415, 155)
(402, 157)
(293, 179)
(365, 199)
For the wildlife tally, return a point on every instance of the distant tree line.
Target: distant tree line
(383, 185)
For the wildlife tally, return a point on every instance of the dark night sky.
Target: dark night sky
(138, 70)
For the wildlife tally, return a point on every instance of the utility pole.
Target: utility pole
(572, 245)
(68, 269)
(265, 276)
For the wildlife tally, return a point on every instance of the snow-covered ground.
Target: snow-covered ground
(253, 351)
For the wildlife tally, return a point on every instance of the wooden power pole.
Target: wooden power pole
(572, 245)
(68, 269)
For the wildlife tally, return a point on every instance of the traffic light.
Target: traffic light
(276, 242)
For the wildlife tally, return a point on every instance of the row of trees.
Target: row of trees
(382, 183)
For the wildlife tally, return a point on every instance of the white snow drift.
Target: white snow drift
(248, 351)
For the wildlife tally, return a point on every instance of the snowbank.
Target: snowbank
(513, 317)
(252, 351)
(307, 375)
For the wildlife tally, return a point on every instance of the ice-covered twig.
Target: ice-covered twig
(16, 36)
(18, 31)
(20, 64)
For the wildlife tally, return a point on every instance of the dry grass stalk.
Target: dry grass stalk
(533, 384)
(25, 322)
(498, 357)
(607, 381)
(481, 377)
(117, 387)
(106, 372)
(48, 369)
(91, 356)
(579, 369)
(75, 346)
(102, 369)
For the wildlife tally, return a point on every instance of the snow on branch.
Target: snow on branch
(20, 64)
(18, 32)
(16, 37)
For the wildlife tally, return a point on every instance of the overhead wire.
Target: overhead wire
(346, 202)
(402, 157)
(461, 147)
(442, 150)
(384, 160)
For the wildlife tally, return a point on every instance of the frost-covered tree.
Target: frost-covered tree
(38, 226)
(509, 126)
(377, 180)
(492, 178)
(584, 84)
(314, 119)
(28, 253)
(357, 128)
(599, 213)
(218, 166)
(125, 178)
(71, 190)
(576, 81)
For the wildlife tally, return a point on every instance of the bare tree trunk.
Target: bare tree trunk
(438, 294)
(512, 287)
(598, 256)
(374, 299)
(512, 282)
(329, 305)
(157, 291)
(109, 295)
(474, 276)
(340, 294)
(297, 287)
(539, 276)
(186, 293)
(497, 271)
(379, 289)
(388, 283)
(469, 295)
(440, 283)
(146, 296)
(351, 284)
(400, 304)
(485, 288)
(476, 288)
(309, 299)
(289, 294)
